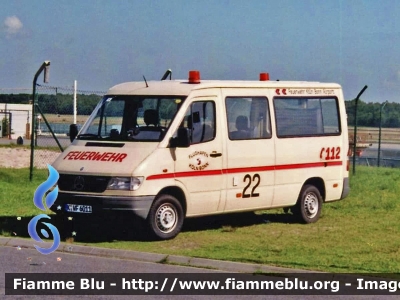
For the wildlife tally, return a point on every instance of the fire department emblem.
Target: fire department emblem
(198, 160)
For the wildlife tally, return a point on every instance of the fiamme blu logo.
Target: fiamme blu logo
(49, 201)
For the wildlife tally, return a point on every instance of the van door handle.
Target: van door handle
(215, 154)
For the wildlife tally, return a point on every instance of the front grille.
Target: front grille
(95, 184)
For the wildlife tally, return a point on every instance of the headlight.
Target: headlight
(125, 183)
(136, 182)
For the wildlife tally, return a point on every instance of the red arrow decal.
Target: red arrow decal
(277, 91)
(284, 91)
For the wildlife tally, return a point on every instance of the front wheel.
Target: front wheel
(165, 217)
(309, 204)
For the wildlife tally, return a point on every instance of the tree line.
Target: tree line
(56, 104)
(368, 114)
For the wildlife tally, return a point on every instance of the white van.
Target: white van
(174, 149)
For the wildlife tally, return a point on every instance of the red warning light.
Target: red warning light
(264, 76)
(194, 76)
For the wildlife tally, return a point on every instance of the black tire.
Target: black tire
(309, 205)
(165, 217)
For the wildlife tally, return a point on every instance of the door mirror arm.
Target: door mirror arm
(182, 140)
(73, 132)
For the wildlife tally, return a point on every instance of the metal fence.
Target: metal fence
(53, 115)
(389, 157)
(373, 162)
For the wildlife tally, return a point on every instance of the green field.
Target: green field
(358, 234)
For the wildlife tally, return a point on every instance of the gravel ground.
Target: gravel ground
(20, 158)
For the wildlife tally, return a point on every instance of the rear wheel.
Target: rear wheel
(165, 217)
(309, 204)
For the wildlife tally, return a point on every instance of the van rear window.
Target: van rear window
(297, 117)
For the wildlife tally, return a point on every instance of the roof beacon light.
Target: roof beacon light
(264, 76)
(194, 77)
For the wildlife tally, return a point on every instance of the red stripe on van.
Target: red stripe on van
(185, 174)
(161, 176)
(300, 166)
(247, 169)
(334, 163)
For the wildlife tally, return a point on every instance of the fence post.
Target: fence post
(355, 128)
(380, 130)
(44, 66)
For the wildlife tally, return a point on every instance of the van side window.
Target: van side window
(248, 118)
(200, 120)
(306, 116)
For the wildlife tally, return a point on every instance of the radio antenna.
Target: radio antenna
(145, 81)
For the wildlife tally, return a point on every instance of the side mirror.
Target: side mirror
(73, 132)
(182, 140)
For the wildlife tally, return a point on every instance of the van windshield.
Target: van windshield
(131, 118)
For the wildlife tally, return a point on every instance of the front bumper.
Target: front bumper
(139, 205)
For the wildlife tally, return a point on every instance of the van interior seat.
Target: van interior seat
(152, 130)
(151, 117)
(242, 126)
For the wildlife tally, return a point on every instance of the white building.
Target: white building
(20, 116)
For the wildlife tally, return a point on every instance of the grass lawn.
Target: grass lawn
(358, 234)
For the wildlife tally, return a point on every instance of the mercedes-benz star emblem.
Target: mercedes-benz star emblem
(79, 183)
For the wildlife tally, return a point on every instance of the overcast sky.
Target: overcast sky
(102, 43)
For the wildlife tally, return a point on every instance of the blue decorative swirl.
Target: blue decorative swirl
(44, 187)
(33, 233)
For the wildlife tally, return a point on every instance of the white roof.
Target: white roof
(183, 88)
(11, 106)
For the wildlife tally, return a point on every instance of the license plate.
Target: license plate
(76, 208)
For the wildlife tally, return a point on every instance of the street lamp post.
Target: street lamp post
(380, 131)
(44, 67)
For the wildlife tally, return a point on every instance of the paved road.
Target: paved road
(84, 259)
(30, 261)
(389, 156)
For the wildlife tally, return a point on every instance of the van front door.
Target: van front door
(199, 167)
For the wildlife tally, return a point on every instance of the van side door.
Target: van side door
(250, 150)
